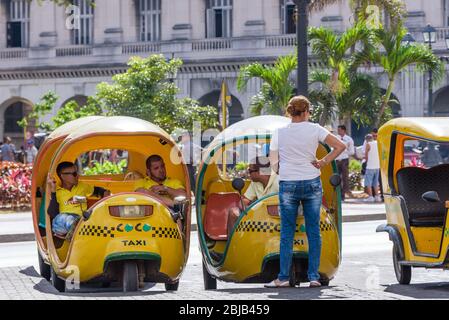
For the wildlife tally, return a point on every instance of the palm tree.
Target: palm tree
(277, 88)
(332, 49)
(358, 100)
(394, 56)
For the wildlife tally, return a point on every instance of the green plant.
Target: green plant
(241, 166)
(107, 167)
(355, 166)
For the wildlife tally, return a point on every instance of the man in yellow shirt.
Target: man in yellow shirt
(64, 208)
(263, 182)
(158, 185)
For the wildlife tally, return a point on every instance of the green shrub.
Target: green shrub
(107, 167)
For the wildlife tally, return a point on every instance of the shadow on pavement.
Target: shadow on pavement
(297, 293)
(30, 272)
(436, 290)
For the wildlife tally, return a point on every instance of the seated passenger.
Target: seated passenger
(64, 208)
(158, 185)
(264, 181)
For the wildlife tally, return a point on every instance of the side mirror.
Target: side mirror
(335, 180)
(431, 196)
(180, 199)
(238, 184)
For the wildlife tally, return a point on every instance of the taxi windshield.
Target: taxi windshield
(425, 154)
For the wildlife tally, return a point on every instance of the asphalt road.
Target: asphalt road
(366, 272)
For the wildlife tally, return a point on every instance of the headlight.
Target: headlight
(130, 211)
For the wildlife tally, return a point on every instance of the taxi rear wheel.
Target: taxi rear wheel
(172, 286)
(44, 269)
(130, 276)
(58, 283)
(403, 273)
(209, 282)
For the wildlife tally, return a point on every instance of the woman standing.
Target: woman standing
(293, 155)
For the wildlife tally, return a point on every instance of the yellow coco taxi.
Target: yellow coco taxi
(127, 237)
(414, 158)
(250, 254)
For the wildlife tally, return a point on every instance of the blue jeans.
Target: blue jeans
(63, 222)
(291, 195)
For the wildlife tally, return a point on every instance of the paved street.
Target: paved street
(366, 273)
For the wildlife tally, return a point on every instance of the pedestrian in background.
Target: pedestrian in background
(31, 152)
(372, 170)
(7, 150)
(293, 155)
(343, 160)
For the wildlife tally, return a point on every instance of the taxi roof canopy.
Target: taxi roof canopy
(430, 128)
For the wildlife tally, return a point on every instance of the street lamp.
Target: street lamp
(408, 39)
(302, 79)
(430, 34)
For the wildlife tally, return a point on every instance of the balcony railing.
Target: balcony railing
(185, 49)
(134, 48)
(9, 54)
(287, 40)
(212, 44)
(74, 51)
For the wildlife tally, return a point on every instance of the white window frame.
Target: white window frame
(19, 11)
(150, 20)
(84, 32)
(226, 7)
(284, 6)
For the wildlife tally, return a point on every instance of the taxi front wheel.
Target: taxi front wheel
(172, 286)
(403, 273)
(209, 282)
(58, 283)
(44, 269)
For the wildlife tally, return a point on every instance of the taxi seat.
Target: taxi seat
(413, 182)
(216, 214)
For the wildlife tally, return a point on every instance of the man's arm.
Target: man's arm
(53, 207)
(367, 148)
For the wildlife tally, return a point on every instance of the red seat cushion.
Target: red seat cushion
(216, 216)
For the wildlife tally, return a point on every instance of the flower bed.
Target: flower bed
(15, 186)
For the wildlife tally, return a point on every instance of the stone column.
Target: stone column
(113, 31)
(130, 20)
(248, 18)
(176, 20)
(3, 21)
(43, 24)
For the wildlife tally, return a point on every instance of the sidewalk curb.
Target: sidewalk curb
(24, 237)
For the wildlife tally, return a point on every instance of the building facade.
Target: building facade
(70, 50)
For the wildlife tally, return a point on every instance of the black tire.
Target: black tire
(58, 283)
(44, 269)
(403, 273)
(210, 283)
(172, 286)
(130, 276)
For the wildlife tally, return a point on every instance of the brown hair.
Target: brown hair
(298, 105)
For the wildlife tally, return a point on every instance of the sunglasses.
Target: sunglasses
(75, 173)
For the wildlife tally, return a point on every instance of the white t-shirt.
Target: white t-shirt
(297, 144)
(373, 156)
(349, 151)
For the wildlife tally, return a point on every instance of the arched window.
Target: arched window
(287, 17)
(14, 113)
(82, 34)
(18, 25)
(150, 20)
(219, 18)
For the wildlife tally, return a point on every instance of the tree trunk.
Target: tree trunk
(385, 101)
